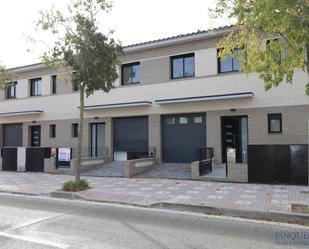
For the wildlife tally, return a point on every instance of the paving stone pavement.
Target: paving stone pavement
(108, 169)
(163, 170)
(148, 191)
(168, 170)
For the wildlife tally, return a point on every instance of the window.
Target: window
(52, 131)
(130, 73)
(275, 123)
(198, 120)
(229, 63)
(54, 84)
(183, 120)
(11, 91)
(272, 47)
(36, 87)
(75, 130)
(170, 121)
(182, 66)
(75, 87)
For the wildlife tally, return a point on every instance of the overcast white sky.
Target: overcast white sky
(133, 21)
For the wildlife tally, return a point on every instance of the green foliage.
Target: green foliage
(284, 23)
(80, 47)
(74, 186)
(6, 77)
(90, 57)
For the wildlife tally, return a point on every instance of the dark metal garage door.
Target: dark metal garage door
(131, 135)
(12, 135)
(9, 159)
(35, 158)
(183, 136)
(278, 163)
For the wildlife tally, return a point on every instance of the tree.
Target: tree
(6, 77)
(272, 37)
(90, 57)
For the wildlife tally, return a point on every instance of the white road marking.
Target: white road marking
(34, 240)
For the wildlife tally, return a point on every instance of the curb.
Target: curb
(76, 196)
(23, 193)
(246, 214)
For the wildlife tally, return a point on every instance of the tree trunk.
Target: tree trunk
(307, 67)
(80, 131)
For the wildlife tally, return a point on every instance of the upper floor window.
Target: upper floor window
(74, 130)
(229, 63)
(11, 91)
(130, 73)
(52, 131)
(183, 66)
(75, 86)
(54, 84)
(273, 45)
(36, 87)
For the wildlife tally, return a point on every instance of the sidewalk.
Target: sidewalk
(152, 192)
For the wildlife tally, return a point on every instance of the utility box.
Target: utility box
(231, 155)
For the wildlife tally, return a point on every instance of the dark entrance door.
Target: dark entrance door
(130, 135)
(12, 135)
(235, 136)
(183, 135)
(35, 136)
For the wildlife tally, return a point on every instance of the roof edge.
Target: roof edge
(169, 41)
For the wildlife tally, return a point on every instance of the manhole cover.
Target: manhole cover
(300, 208)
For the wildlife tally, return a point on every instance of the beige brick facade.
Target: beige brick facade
(294, 126)
(62, 110)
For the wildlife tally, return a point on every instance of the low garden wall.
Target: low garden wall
(136, 166)
(86, 164)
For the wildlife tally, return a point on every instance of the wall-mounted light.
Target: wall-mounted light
(96, 117)
(233, 110)
(34, 121)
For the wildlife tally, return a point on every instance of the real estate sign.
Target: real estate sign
(64, 154)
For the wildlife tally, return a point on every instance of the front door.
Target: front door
(97, 140)
(235, 137)
(35, 136)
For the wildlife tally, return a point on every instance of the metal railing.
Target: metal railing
(91, 152)
(205, 160)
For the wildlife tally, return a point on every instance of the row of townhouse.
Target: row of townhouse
(173, 97)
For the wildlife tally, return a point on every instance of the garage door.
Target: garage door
(183, 136)
(12, 135)
(130, 135)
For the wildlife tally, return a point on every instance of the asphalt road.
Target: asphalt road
(33, 222)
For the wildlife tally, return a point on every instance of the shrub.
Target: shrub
(74, 186)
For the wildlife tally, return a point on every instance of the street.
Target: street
(39, 222)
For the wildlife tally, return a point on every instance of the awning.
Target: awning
(21, 113)
(244, 95)
(118, 105)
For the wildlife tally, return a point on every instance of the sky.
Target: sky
(134, 21)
